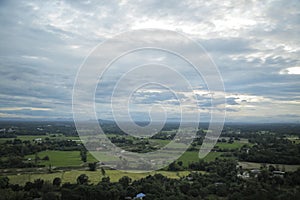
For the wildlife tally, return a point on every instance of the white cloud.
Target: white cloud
(290, 70)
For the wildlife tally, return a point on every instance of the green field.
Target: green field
(160, 143)
(62, 158)
(192, 156)
(94, 177)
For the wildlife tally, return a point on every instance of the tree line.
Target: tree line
(221, 183)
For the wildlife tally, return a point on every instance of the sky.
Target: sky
(254, 44)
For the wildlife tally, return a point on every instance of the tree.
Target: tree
(82, 179)
(125, 181)
(271, 168)
(105, 180)
(56, 181)
(4, 181)
(92, 166)
(174, 167)
(46, 157)
(38, 183)
(103, 171)
(83, 155)
(180, 163)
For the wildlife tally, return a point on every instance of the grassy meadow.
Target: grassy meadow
(94, 176)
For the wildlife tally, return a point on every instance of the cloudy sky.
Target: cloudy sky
(254, 44)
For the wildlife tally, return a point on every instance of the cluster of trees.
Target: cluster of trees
(7, 135)
(83, 154)
(221, 182)
(133, 144)
(127, 143)
(246, 130)
(215, 166)
(164, 136)
(270, 149)
(219, 166)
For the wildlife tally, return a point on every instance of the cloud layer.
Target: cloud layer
(255, 45)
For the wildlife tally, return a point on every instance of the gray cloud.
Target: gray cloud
(43, 44)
